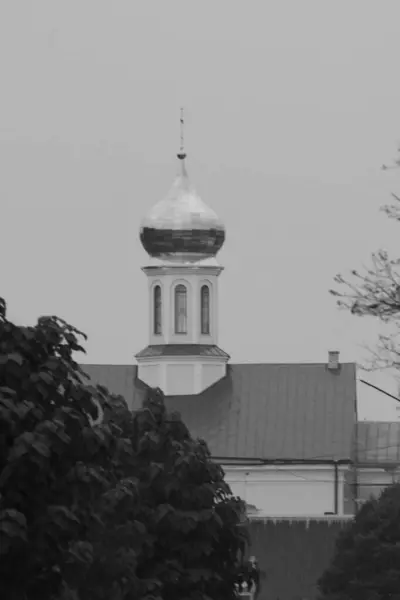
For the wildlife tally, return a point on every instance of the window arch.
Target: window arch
(157, 306)
(180, 309)
(205, 309)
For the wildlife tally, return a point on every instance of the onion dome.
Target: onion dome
(182, 227)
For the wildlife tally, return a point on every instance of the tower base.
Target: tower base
(182, 370)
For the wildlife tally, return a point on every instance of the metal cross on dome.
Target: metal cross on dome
(182, 153)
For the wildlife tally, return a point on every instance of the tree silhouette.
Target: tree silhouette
(96, 502)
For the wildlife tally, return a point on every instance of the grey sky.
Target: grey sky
(291, 108)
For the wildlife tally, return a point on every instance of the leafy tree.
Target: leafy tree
(97, 502)
(366, 562)
(375, 291)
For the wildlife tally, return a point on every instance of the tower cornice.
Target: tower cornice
(177, 270)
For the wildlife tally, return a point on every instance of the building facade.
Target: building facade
(283, 432)
(286, 435)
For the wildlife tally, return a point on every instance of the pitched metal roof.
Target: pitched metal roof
(119, 379)
(378, 442)
(261, 411)
(182, 350)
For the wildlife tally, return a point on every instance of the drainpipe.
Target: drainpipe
(355, 482)
(336, 487)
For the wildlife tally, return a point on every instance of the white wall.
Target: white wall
(181, 375)
(287, 490)
(180, 379)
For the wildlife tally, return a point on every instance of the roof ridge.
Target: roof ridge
(232, 364)
(278, 364)
(386, 422)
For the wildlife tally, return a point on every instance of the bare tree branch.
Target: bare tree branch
(375, 292)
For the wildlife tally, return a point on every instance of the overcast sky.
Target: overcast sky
(291, 109)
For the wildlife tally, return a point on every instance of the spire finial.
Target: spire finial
(182, 153)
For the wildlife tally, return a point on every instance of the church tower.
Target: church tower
(182, 237)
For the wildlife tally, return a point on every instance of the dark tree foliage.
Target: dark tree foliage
(366, 562)
(98, 503)
(375, 291)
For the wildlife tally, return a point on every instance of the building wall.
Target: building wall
(292, 555)
(349, 491)
(288, 490)
(182, 375)
(180, 378)
(275, 491)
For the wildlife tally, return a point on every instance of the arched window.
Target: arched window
(157, 310)
(180, 309)
(205, 310)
